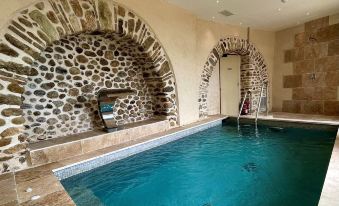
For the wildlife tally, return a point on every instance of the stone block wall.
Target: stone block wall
(315, 79)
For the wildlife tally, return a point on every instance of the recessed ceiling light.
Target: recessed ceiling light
(307, 13)
(240, 23)
(213, 17)
(218, 1)
(279, 9)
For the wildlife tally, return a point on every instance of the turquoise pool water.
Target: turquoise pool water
(221, 166)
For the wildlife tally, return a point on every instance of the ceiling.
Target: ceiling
(271, 15)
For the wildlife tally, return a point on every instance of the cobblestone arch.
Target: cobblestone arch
(39, 55)
(253, 74)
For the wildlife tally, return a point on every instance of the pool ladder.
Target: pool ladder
(259, 102)
(242, 103)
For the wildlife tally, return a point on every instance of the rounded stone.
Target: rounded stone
(49, 76)
(58, 103)
(87, 88)
(82, 59)
(52, 94)
(74, 71)
(114, 63)
(90, 54)
(61, 70)
(168, 89)
(18, 120)
(47, 86)
(67, 107)
(122, 74)
(52, 121)
(39, 93)
(81, 99)
(108, 84)
(56, 111)
(41, 119)
(73, 92)
(38, 130)
(11, 112)
(16, 88)
(63, 117)
(95, 78)
(2, 122)
(10, 132)
(5, 141)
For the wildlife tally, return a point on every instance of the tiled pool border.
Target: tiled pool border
(92, 163)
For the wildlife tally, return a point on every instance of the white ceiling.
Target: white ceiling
(260, 14)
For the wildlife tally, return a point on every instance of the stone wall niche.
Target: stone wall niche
(56, 55)
(253, 70)
(61, 94)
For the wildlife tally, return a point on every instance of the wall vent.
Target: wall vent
(226, 13)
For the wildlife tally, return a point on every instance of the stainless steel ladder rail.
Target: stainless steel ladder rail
(259, 103)
(242, 104)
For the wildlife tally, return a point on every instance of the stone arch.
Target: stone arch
(238, 46)
(35, 28)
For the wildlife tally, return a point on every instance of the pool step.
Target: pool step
(62, 148)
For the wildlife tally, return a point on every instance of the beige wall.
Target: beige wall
(214, 94)
(186, 39)
(285, 41)
(266, 42)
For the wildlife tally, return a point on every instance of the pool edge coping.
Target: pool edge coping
(329, 193)
(180, 134)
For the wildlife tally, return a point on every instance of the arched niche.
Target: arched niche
(252, 77)
(31, 41)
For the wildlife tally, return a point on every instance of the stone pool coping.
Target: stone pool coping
(296, 118)
(330, 192)
(46, 186)
(104, 159)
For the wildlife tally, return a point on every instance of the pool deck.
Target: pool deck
(330, 192)
(18, 188)
(297, 118)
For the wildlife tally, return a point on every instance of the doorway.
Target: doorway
(230, 85)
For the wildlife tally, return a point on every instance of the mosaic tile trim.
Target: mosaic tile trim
(47, 24)
(77, 168)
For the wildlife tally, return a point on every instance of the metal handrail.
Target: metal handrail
(242, 104)
(259, 103)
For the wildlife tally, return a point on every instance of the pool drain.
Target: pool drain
(250, 167)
